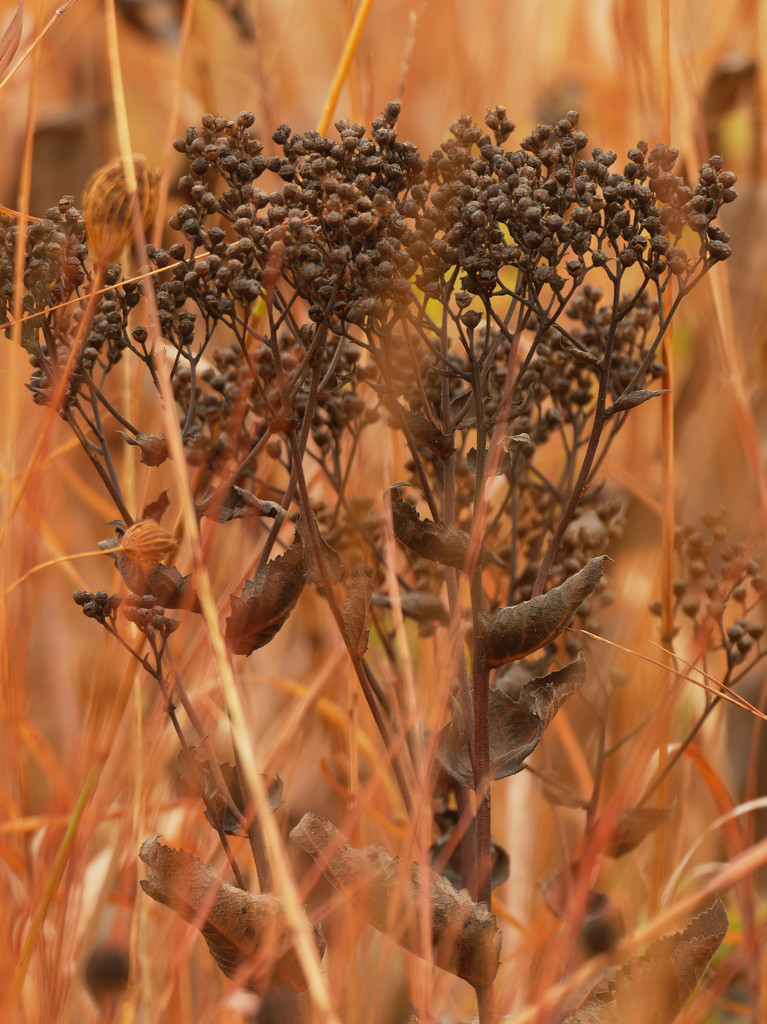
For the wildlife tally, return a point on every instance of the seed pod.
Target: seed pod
(107, 207)
(146, 544)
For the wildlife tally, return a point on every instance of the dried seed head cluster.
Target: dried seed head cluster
(353, 276)
(721, 586)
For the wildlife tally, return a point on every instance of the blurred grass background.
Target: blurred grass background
(71, 704)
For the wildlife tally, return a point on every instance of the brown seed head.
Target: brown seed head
(107, 207)
(146, 544)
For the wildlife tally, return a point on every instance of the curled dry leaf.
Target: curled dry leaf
(464, 937)
(416, 604)
(194, 769)
(633, 825)
(424, 431)
(248, 936)
(559, 890)
(333, 565)
(502, 466)
(427, 433)
(170, 589)
(156, 509)
(356, 607)
(435, 541)
(266, 601)
(154, 447)
(656, 986)
(631, 400)
(515, 724)
(514, 632)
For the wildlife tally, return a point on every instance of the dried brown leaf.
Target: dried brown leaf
(427, 433)
(194, 768)
(156, 509)
(656, 986)
(502, 466)
(356, 607)
(170, 589)
(416, 604)
(633, 825)
(514, 632)
(333, 565)
(248, 936)
(266, 601)
(435, 541)
(632, 400)
(515, 724)
(464, 937)
(424, 431)
(558, 890)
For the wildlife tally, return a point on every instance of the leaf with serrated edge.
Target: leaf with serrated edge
(465, 939)
(521, 629)
(515, 724)
(656, 986)
(416, 604)
(266, 602)
(435, 541)
(330, 557)
(356, 607)
(632, 825)
(632, 400)
(248, 936)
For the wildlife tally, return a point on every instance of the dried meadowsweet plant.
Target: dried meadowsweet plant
(502, 311)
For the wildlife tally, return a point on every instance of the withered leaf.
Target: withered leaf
(424, 431)
(514, 632)
(356, 608)
(266, 601)
(330, 557)
(465, 939)
(171, 590)
(656, 986)
(632, 400)
(633, 825)
(195, 771)
(416, 604)
(154, 447)
(427, 433)
(513, 676)
(435, 541)
(515, 724)
(502, 465)
(248, 936)
(556, 791)
(558, 890)
(156, 509)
